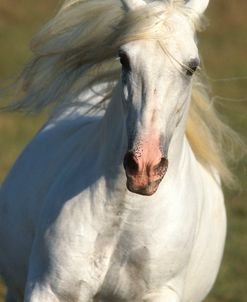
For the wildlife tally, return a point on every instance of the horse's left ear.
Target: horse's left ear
(198, 6)
(132, 4)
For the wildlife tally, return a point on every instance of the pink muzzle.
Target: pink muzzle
(145, 166)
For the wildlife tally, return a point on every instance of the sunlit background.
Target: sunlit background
(224, 50)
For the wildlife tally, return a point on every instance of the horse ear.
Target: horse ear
(132, 4)
(198, 6)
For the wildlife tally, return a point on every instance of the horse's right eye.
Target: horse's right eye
(124, 60)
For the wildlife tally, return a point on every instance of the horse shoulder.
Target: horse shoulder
(25, 189)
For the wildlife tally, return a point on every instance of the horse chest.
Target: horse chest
(116, 253)
(140, 262)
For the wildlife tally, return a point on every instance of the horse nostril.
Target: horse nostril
(130, 163)
(162, 166)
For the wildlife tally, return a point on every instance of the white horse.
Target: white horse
(70, 227)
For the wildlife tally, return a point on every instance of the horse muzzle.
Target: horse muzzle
(144, 177)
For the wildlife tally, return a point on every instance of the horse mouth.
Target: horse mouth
(146, 190)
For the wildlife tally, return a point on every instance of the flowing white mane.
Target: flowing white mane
(78, 48)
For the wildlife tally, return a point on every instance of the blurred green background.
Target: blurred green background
(224, 50)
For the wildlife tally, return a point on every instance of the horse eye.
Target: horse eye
(124, 60)
(192, 67)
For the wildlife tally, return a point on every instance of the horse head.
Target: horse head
(156, 87)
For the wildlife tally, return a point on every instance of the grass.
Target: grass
(223, 47)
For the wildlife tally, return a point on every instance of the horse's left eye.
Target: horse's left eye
(192, 67)
(124, 60)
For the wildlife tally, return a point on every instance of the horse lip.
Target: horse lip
(148, 190)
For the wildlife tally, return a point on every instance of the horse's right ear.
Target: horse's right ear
(132, 4)
(199, 6)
